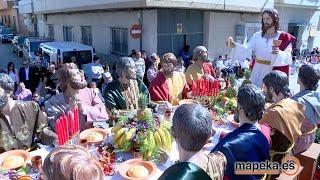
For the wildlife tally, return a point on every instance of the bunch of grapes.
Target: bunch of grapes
(107, 158)
(131, 123)
(157, 122)
(142, 126)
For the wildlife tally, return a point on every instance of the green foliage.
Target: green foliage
(317, 140)
(143, 101)
(231, 92)
(247, 73)
(233, 79)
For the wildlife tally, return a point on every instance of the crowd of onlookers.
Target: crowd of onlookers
(37, 82)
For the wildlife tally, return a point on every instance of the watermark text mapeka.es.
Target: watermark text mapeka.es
(289, 165)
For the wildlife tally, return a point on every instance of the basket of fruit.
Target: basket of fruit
(142, 132)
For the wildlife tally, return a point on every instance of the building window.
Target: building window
(14, 24)
(86, 35)
(67, 33)
(119, 41)
(51, 32)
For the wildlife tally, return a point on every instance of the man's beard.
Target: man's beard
(168, 72)
(268, 96)
(3, 100)
(236, 115)
(131, 77)
(267, 26)
(78, 85)
(205, 58)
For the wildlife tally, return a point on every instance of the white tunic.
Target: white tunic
(262, 48)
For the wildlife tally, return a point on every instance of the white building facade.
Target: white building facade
(166, 25)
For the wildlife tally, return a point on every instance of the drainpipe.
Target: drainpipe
(141, 25)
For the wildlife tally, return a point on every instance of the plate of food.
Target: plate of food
(137, 169)
(14, 159)
(94, 135)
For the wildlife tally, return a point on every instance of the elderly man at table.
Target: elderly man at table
(285, 116)
(21, 123)
(308, 79)
(251, 141)
(201, 67)
(191, 128)
(75, 93)
(168, 85)
(123, 93)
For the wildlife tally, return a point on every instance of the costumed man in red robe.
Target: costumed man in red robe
(168, 85)
(201, 68)
(272, 48)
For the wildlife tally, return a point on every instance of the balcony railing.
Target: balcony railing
(6, 4)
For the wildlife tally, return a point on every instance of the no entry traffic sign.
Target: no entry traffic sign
(135, 31)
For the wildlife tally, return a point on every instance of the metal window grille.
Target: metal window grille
(67, 33)
(86, 35)
(51, 32)
(119, 41)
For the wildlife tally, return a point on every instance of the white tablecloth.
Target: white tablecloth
(174, 156)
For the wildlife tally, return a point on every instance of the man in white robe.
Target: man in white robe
(268, 56)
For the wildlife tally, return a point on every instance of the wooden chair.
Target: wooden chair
(308, 160)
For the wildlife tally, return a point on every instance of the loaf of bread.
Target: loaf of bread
(94, 137)
(138, 171)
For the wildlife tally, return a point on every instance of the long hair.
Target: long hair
(275, 17)
(65, 75)
(11, 64)
(279, 81)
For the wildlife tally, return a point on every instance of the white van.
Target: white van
(31, 47)
(61, 52)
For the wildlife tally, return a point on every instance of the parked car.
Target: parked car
(17, 44)
(31, 47)
(61, 52)
(6, 34)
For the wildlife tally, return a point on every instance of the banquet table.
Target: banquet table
(219, 130)
(173, 157)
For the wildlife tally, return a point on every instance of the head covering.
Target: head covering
(6, 82)
(311, 100)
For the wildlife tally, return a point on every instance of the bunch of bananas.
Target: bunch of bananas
(161, 137)
(121, 135)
